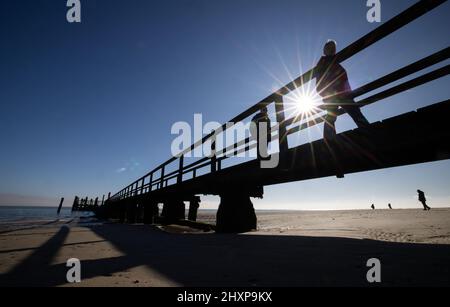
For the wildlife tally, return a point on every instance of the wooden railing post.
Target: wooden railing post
(150, 185)
(281, 120)
(213, 155)
(142, 185)
(180, 170)
(161, 184)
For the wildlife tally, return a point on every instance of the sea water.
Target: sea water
(10, 214)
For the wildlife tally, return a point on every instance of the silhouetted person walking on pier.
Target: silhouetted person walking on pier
(333, 85)
(262, 125)
(423, 200)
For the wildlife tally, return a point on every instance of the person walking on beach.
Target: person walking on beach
(261, 125)
(333, 86)
(373, 206)
(390, 207)
(423, 200)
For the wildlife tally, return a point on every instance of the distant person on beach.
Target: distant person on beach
(373, 207)
(423, 200)
(333, 85)
(390, 207)
(262, 121)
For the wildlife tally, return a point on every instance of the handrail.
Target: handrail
(426, 62)
(436, 74)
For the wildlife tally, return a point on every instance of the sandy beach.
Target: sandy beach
(328, 248)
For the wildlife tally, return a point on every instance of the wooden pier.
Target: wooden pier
(416, 137)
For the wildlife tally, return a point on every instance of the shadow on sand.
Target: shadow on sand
(243, 260)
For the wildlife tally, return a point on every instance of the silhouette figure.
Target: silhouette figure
(390, 207)
(262, 121)
(373, 207)
(333, 85)
(423, 200)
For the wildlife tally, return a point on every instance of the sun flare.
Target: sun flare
(305, 104)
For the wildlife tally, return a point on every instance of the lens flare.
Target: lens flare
(305, 104)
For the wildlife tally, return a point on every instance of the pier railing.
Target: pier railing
(161, 177)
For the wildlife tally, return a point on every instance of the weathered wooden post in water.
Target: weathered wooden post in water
(76, 203)
(60, 205)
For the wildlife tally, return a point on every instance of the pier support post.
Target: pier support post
(139, 212)
(236, 213)
(194, 204)
(131, 212)
(173, 210)
(122, 211)
(112, 210)
(151, 212)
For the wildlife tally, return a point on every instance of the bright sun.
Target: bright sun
(305, 104)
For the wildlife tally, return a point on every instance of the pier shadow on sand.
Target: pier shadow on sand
(243, 260)
(33, 270)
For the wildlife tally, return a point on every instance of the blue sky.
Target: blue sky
(87, 108)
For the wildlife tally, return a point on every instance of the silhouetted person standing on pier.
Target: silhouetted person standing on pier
(262, 125)
(423, 200)
(333, 85)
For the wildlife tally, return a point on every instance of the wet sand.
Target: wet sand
(328, 248)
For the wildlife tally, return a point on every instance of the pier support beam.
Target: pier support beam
(236, 213)
(173, 210)
(194, 204)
